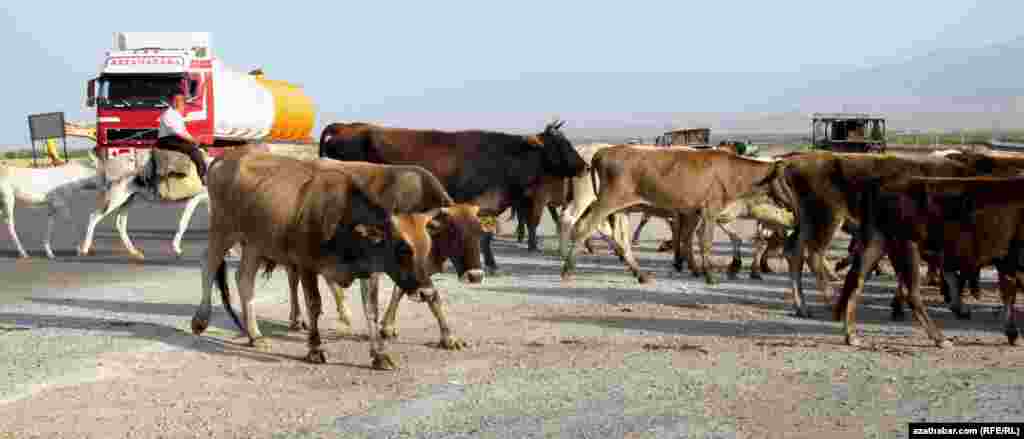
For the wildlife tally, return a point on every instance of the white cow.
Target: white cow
(44, 187)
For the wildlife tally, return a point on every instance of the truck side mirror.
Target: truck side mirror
(90, 93)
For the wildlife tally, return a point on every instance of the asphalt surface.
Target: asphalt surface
(57, 316)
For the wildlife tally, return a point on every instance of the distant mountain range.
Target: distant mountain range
(948, 89)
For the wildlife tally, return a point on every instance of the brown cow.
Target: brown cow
(452, 240)
(340, 220)
(821, 187)
(962, 223)
(666, 182)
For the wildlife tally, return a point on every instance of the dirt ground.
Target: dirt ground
(601, 356)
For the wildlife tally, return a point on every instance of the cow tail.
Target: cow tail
(225, 296)
(594, 164)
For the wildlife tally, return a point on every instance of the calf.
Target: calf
(666, 182)
(452, 235)
(959, 223)
(340, 220)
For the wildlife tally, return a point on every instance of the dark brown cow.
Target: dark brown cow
(666, 182)
(821, 188)
(340, 220)
(962, 223)
(490, 169)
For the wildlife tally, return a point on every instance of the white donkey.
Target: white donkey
(120, 194)
(45, 187)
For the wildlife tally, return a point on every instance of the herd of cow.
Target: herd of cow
(403, 202)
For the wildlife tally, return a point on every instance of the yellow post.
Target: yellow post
(51, 150)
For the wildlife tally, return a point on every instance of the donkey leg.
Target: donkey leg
(7, 210)
(186, 218)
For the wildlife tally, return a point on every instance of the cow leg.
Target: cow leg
(387, 325)
(794, 252)
(952, 285)
(639, 227)
(620, 237)
(688, 225)
(906, 260)
(210, 263)
(974, 281)
(587, 224)
(186, 218)
(344, 315)
(1008, 294)
(737, 262)
(490, 264)
(677, 243)
(246, 278)
(314, 309)
(533, 218)
(853, 287)
(553, 211)
(566, 221)
(774, 245)
(378, 350)
(448, 341)
(295, 322)
(708, 217)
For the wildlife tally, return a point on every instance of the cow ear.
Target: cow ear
(374, 234)
(399, 189)
(535, 141)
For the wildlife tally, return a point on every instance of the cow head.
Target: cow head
(380, 224)
(560, 158)
(456, 235)
(376, 241)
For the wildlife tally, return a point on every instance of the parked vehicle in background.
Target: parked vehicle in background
(848, 132)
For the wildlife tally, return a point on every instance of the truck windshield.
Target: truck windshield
(136, 91)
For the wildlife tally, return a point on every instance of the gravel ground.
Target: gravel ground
(96, 347)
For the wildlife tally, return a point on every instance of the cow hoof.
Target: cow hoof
(765, 268)
(316, 356)
(963, 314)
(944, 344)
(389, 333)
(452, 343)
(199, 325)
(732, 275)
(855, 341)
(678, 266)
(297, 325)
(645, 278)
(261, 344)
(804, 313)
(1013, 337)
(899, 316)
(178, 254)
(756, 276)
(383, 361)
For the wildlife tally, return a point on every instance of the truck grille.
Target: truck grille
(131, 134)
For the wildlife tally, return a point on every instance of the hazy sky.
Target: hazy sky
(411, 63)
